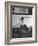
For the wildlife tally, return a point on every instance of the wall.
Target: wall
(2, 22)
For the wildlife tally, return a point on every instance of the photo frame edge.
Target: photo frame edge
(6, 33)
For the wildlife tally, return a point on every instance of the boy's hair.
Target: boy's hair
(22, 18)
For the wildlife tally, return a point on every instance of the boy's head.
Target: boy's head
(22, 18)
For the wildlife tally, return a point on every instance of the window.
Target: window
(22, 10)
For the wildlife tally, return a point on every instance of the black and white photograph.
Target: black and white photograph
(21, 21)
